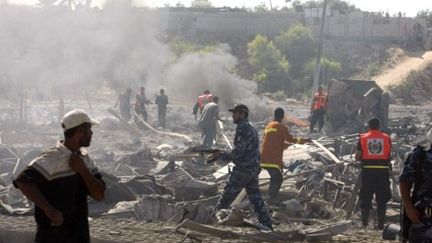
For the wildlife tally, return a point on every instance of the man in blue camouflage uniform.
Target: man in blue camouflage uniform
(246, 158)
(417, 171)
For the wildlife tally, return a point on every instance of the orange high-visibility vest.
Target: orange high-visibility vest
(376, 146)
(320, 101)
(204, 100)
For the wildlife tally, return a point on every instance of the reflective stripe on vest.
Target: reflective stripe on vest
(269, 130)
(320, 101)
(375, 145)
(376, 167)
(271, 165)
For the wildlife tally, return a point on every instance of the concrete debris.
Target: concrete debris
(152, 176)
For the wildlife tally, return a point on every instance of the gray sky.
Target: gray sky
(393, 6)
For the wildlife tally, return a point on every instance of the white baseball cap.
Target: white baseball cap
(75, 118)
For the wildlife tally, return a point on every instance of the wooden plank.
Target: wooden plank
(172, 134)
(223, 234)
(330, 154)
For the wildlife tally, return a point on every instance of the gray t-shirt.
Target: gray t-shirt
(209, 115)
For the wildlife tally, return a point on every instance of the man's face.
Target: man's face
(237, 116)
(142, 90)
(320, 90)
(85, 135)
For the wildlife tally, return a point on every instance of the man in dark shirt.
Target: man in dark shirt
(140, 104)
(124, 104)
(417, 171)
(162, 102)
(246, 157)
(58, 182)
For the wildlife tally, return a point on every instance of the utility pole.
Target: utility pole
(271, 6)
(320, 44)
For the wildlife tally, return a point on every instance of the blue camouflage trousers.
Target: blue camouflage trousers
(421, 233)
(247, 179)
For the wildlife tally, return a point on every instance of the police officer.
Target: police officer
(373, 151)
(417, 171)
(246, 158)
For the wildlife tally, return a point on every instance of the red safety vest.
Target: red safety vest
(375, 145)
(204, 100)
(320, 101)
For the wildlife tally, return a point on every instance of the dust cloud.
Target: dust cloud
(53, 52)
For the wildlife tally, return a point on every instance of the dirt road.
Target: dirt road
(396, 74)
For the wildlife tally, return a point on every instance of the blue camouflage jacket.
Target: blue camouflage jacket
(408, 174)
(245, 153)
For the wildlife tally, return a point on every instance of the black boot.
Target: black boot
(365, 216)
(381, 215)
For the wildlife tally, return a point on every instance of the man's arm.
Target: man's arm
(241, 140)
(31, 191)
(290, 139)
(359, 153)
(412, 212)
(95, 187)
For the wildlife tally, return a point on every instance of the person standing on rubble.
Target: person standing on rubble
(276, 139)
(417, 171)
(124, 103)
(318, 110)
(162, 102)
(374, 150)
(246, 158)
(203, 100)
(58, 182)
(208, 122)
(140, 104)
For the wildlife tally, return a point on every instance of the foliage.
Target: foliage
(298, 45)
(329, 69)
(427, 15)
(269, 66)
(336, 5)
(373, 69)
(179, 47)
(261, 8)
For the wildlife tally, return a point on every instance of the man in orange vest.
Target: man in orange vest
(203, 100)
(318, 110)
(373, 151)
(276, 139)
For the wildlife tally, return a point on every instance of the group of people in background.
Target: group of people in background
(141, 101)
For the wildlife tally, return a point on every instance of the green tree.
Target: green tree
(298, 45)
(269, 66)
(335, 5)
(426, 15)
(261, 8)
(329, 69)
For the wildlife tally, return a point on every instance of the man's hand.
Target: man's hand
(55, 216)
(413, 214)
(77, 164)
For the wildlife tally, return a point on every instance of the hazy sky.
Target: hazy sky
(393, 6)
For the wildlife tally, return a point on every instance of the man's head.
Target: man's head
(320, 89)
(239, 112)
(162, 91)
(374, 124)
(76, 126)
(279, 114)
(216, 99)
(206, 91)
(142, 90)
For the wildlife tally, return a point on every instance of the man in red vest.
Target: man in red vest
(373, 151)
(318, 110)
(203, 100)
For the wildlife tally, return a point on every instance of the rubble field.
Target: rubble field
(160, 190)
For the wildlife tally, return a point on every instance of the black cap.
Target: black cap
(240, 108)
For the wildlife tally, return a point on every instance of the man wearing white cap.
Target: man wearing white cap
(59, 180)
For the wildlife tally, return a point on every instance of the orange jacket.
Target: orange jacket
(320, 101)
(276, 136)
